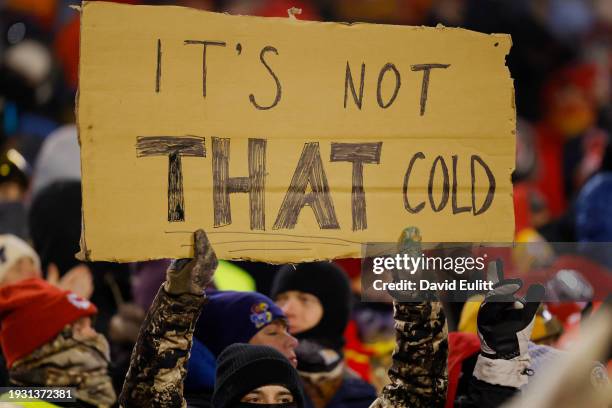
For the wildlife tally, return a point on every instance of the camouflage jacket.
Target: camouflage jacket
(159, 360)
(66, 361)
(418, 372)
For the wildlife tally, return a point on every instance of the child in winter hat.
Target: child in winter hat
(18, 260)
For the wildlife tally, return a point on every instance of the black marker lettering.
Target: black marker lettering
(309, 171)
(398, 83)
(176, 199)
(205, 44)
(490, 193)
(224, 185)
(445, 184)
(456, 208)
(158, 70)
(174, 148)
(358, 154)
(348, 81)
(279, 89)
(409, 208)
(426, 68)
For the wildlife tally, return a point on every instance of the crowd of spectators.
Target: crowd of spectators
(561, 62)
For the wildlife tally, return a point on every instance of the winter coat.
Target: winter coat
(159, 361)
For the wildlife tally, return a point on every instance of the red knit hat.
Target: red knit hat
(33, 312)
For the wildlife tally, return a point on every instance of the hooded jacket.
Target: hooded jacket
(327, 381)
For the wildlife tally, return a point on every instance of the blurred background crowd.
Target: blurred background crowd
(561, 62)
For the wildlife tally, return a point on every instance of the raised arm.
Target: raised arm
(418, 372)
(159, 359)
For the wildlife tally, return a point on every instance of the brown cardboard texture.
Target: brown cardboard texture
(287, 140)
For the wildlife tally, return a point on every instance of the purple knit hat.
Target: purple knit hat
(234, 317)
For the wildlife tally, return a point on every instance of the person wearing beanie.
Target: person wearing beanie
(316, 297)
(18, 260)
(48, 341)
(256, 376)
(54, 219)
(159, 359)
(251, 313)
(255, 320)
(55, 229)
(246, 374)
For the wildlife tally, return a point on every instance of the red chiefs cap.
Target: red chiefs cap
(33, 312)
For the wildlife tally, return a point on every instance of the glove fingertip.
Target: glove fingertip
(200, 242)
(535, 293)
(532, 300)
(493, 272)
(499, 266)
(508, 286)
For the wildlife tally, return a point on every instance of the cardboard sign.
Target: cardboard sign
(287, 140)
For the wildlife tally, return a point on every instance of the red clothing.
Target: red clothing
(549, 174)
(357, 357)
(33, 312)
(460, 347)
(522, 210)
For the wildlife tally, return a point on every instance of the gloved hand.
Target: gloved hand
(505, 322)
(192, 275)
(409, 243)
(314, 358)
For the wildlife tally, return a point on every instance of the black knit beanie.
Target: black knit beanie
(241, 368)
(331, 286)
(55, 224)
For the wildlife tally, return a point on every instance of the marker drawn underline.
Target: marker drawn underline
(274, 240)
(271, 249)
(266, 234)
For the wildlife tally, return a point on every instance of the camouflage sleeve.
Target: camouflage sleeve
(159, 359)
(418, 373)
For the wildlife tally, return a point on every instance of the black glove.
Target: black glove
(315, 358)
(505, 322)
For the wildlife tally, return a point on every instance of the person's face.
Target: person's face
(277, 336)
(24, 268)
(303, 310)
(269, 394)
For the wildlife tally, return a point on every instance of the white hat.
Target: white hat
(12, 249)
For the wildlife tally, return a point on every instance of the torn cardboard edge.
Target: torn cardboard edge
(109, 253)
